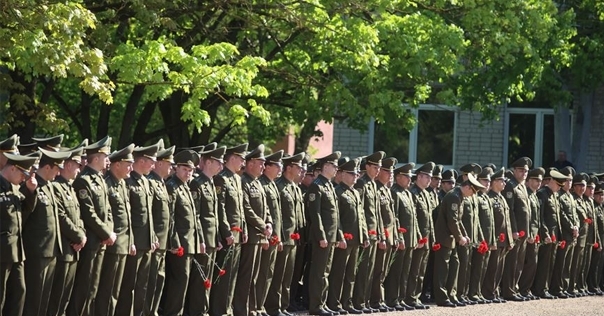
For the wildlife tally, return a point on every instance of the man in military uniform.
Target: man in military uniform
(450, 230)
(325, 233)
(593, 242)
(292, 211)
(549, 232)
(578, 189)
(480, 259)
(504, 235)
(595, 273)
(389, 231)
(433, 189)
(368, 190)
(114, 262)
(8, 146)
(447, 183)
(136, 272)
(395, 284)
(517, 198)
(232, 228)
(42, 235)
(14, 201)
(206, 204)
(186, 238)
(161, 224)
(272, 169)
(569, 231)
(73, 235)
(426, 228)
(259, 225)
(98, 222)
(527, 278)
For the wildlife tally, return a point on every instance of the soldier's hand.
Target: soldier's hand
(493, 247)
(84, 240)
(133, 250)
(510, 247)
(382, 245)
(366, 244)
(548, 240)
(111, 240)
(280, 246)
(202, 248)
(219, 246)
(323, 243)
(155, 245)
(515, 236)
(230, 240)
(174, 251)
(342, 244)
(264, 246)
(530, 240)
(463, 241)
(31, 183)
(268, 230)
(76, 247)
(401, 245)
(600, 248)
(244, 238)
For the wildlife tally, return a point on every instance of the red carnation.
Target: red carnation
(436, 247)
(502, 237)
(372, 232)
(537, 239)
(596, 245)
(588, 221)
(221, 272)
(563, 244)
(386, 233)
(295, 236)
(207, 283)
(553, 238)
(180, 251)
(348, 236)
(521, 233)
(423, 240)
(402, 230)
(236, 229)
(274, 240)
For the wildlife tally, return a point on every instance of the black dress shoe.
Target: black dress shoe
(381, 309)
(353, 311)
(547, 296)
(446, 304)
(320, 312)
(410, 308)
(522, 297)
(459, 303)
(341, 311)
(568, 294)
(590, 293)
(277, 314)
(514, 299)
(366, 310)
(420, 306)
(562, 295)
(331, 311)
(397, 307)
(599, 293)
(287, 313)
(469, 302)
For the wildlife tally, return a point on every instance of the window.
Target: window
(432, 138)
(529, 132)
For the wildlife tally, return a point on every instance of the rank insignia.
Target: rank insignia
(83, 193)
(311, 197)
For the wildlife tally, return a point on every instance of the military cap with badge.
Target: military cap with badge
(239, 150)
(297, 159)
(101, 146)
(437, 172)
(149, 152)
(53, 158)
(471, 168)
(214, 153)
(426, 168)
(51, 143)
(450, 176)
(523, 163)
(22, 163)
(274, 158)
(536, 173)
(389, 163)
(9, 145)
(350, 166)
(405, 170)
(124, 154)
(187, 158)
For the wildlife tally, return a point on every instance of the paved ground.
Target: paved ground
(591, 305)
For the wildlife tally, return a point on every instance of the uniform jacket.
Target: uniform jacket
(386, 209)
(185, 225)
(536, 220)
(568, 215)
(487, 219)
(322, 208)
(292, 211)
(229, 191)
(550, 212)
(160, 209)
(470, 219)
(141, 205)
(352, 217)
(502, 220)
(206, 204)
(449, 229)
(421, 201)
(72, 226)
(257, 215)
(119, 199)
(41, 229)
(407, 217)
(368, 191)
(582, 215)
(273, 201)
(13, 202)
(516, 196)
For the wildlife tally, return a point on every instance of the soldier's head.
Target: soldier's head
(591, 186)
(18, 168)
(580, 183)
(329, 164)
(165, 160)
(484, 177)
(349, 171)
(185, 161)
(569, 172)
(144, 158)
(424, 175)
(273, 165)
(498, 181)
(535, 177)
(255, 162)
(373, 163)
(293, 167)
(471, 186)
(212, 161)
(521, 167)
(97, 154)
(403, 175)
(386, 174)
(121, 162)
(234, 157)
(436, 177)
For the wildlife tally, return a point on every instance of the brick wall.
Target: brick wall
(478, 144)
(595, 151)
(349, 141)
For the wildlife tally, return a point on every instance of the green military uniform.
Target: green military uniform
(92, 196)
(230, 211)
(593, 240)
(368, 192)
(303, 251)
(421, 202)
(395, 284)
(322, 207)
(161, 224)
(268, 256)
(136, 272)
(72, 232)
(352, 222)
(550, 211)
(185, 236)
(292, 210)
(517, 198)
(389, 236)
(595, 273)
(14, 201)
(503, 233)
(579, 251)
(532, 249)
(257, 218)
(114, 263)
(449, 230)
(568, 222)
(206, 205)
(487, 227)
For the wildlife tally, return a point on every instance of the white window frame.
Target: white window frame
(538, 148)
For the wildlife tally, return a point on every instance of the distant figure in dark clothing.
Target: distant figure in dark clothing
(562, 162)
